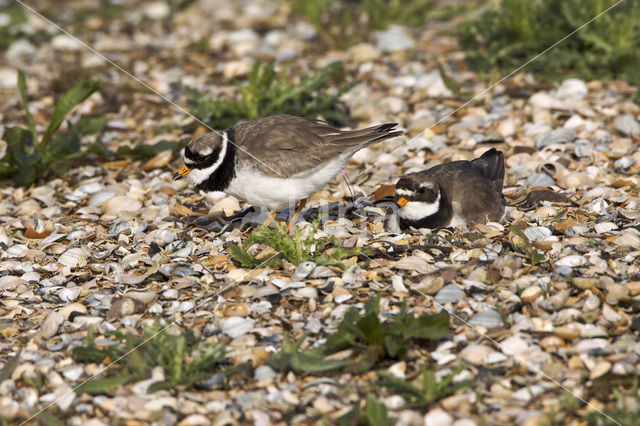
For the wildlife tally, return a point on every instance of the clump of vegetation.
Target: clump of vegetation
(29, 157)
(185, 360)
(527, 247)
(369, 340)
(627, 402)
(347, 22)
(12, 18)
(426, 389)
(268, 92)
(506, 36)
(296, 249)
(374, 413)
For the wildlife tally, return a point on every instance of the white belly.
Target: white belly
(276, 193)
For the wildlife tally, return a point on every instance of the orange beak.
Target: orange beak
(181, 173)
(402, 201)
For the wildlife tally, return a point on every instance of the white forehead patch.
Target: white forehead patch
(401, 191)
(428, 185)
(206, 151)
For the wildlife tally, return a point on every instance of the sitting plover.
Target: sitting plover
(275, 161)
(452, 194)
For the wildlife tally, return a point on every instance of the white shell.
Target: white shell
(537, 233)
(561, 135)
(69, 294)
(303, 270)
(16, 250)
(9, 282)
(572, 261)
(74, 258)
(121, 203)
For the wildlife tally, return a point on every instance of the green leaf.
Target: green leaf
(98, 386)
(376, 412)
(159, 385)
(244, 258)
(63, 145)
(517, 231)
(90, 125)
(449, 82)
(22, 88)
(313, 363)
(89, 354)
(432, 327)
(66, 103)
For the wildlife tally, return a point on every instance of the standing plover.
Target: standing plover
(275, 161)
(452, 194)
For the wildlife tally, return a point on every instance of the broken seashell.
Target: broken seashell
(73, 258)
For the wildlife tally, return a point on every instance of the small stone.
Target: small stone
(449, 294)
(303, 270)
(599, 369)
(236, 326)
(476, 354)
(530, 294)
(615, 293)
(488, 319)
(572, 261)
(121, 203)
(195, 420)
(438, 417)
(627, 125)
(264, 372)
(393, 39)
(633, 287)
(51, 324)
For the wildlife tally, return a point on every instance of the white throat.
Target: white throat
(197, 176)
(418, 210)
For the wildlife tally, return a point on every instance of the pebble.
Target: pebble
(449, 294)
(393, 39)
(236, 326)
(51, 324)
(627, 125)
(303, 270)
(264, 372)
(476, 354)
(438, 417)
(488, 319)
(572, 261)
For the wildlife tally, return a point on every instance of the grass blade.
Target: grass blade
(22, 88)
(66, 103)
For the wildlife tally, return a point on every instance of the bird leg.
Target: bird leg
(269, 219)
(292, 222)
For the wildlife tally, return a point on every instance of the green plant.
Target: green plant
(527, 247)
(183, 358)
(268, 92)
(369, 339)
(296, 249)
(29, 157)
(425, 390)
(375, 414)
(506, 36)
(625, 410)
(347, 22)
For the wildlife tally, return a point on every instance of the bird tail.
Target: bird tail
(491, 164)
(368, 136)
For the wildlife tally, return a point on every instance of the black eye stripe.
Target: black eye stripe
(202, 162)
(194, 156)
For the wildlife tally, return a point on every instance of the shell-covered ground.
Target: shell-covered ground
(543, 331)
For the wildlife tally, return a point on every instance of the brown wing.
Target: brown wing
(287, 145)
(471, 192)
